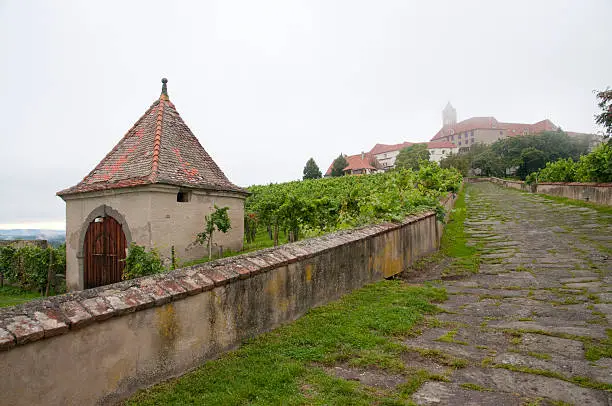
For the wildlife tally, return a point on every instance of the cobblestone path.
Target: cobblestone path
(533, 327)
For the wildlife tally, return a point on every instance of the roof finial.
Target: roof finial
(164, 87)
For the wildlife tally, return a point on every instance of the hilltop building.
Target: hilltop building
(153, 189)
(387, 154)
(438, 150)
(487, 130)
(360, 164)
(484, 130)
(382, 157)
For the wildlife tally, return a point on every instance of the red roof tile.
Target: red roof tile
(440, 144)
(382, 148)
(355, 162)
(511, 129)
(159, 148)
(466, 125)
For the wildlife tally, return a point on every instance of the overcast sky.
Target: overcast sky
(265, 85)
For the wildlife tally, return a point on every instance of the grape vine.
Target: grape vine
(317, 206)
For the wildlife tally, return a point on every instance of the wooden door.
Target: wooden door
(104, 252)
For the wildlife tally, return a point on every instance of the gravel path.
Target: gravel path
(534, 323)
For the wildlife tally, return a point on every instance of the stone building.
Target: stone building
(153, 189)
(438, 150)
(360, 164)
(386, 154)
(483, 130)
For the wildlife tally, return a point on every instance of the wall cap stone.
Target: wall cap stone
(48, 317)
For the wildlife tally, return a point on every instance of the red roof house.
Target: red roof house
(359, 164)
(154, 189)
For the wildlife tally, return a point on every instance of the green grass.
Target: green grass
(580, 203)
(449, 337)
(593, 351)
(583, 381)
(286, 366)
(441, 357)
(539, 355)
(454, 242)
(417, 379)
(473, 386)
(11, 296)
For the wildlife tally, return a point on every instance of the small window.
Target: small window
(443, 152)
(183, 196)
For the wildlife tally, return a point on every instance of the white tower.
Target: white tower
(449, 115)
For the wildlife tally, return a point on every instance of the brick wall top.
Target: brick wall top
(493, 179)
(47, 317)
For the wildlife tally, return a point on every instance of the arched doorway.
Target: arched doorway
(104, 250)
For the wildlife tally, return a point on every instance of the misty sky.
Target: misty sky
(265, 85)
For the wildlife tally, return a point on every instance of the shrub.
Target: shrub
(139, 262)
(596, 166)
(563, 170)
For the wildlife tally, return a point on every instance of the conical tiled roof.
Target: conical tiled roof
(159, 148)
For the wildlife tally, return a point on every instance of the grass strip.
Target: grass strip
(285, 365)
(454, 243)
(11, 296)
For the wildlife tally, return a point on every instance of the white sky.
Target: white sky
(267, 84)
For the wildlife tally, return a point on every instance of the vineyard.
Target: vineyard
(282, 212)
(313, 207)
(32, 269)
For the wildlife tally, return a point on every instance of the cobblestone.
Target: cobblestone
(542, 295)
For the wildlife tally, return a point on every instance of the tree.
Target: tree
(605, 117)
(410, 157)
(338, 166)
(489, 163)
(218, 220)
(532, 159)
(311, 170)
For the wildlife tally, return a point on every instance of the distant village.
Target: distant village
(454, 137)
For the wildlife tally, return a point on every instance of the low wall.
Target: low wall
(600, 193)
(100, 345)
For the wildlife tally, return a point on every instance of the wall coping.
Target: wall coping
(592, 184)
(48, 317)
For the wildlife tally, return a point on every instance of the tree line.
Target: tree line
(517, 156)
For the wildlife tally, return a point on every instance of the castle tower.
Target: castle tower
(449, 115)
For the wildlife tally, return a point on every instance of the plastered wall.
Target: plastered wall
(100, 345)
(151, 217)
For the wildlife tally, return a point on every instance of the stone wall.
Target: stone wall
(600, 193)
(102, 344)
